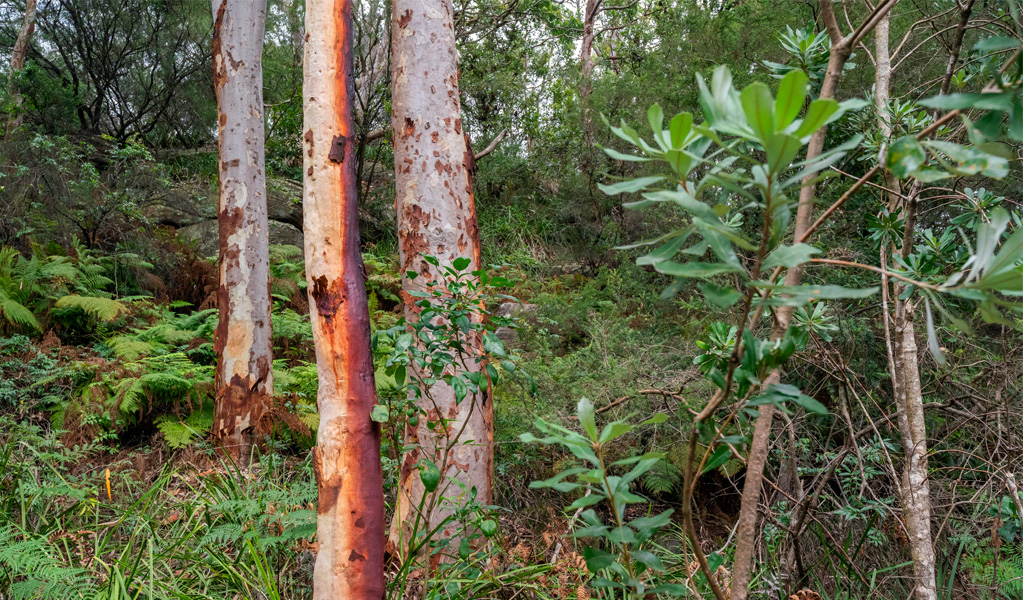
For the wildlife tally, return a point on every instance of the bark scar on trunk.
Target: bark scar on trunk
(404, 19)
(337, 149)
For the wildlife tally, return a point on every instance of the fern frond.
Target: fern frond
(16, 313)
(103, 309)
(130, 348)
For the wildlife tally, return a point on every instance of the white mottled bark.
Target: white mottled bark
(437, 216)
(18, 63)
(244, 373)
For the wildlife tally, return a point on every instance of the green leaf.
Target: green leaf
(380, 413)
(785, 295)
(460, 263)
(655, 116)
(587, 418)
(790, 256)
(694, 269)
(429, 474)
(1001, 101)
(597, 559)
(721, 297)
(488, 527)
(719, 457)
(649, 559)
(781, 148)
(817, 116)
(993, 44)
(585, 501)
(791, 95)
(464, 548)
(493, 345)
(632, 185)
(905, 156)
(758, 106)
(681, 125)
(616, 155)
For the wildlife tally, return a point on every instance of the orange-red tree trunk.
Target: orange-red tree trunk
(244, 376)
(346, 461)
(436, 216)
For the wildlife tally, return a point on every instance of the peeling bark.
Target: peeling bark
(244, 375)
(436, 215)
(18, 63)
(350, 522)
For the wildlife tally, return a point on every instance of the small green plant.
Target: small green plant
(621, 559)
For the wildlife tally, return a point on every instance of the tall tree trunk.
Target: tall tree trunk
(436, 215)
(915, 493)
(746, 527)
(18, 63)
(244, 376)
(350, 523)
(586, 67)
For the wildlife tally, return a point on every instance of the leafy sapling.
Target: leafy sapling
(620, 557)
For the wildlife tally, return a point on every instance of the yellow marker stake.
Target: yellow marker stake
(109, 496)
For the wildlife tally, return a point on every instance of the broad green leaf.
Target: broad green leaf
(759, 109)
(616, 155)
(817, 116)
(587, 418)
(694, 269)
(799, 295)
(993, 44)
(649, 559)
(493, 345)
(681, 125)
(630, 186)
(781, 148)
(655, 116)
(461, 263)
(429, 474)
(380, 413)
(719, 457)
(597, 559)
(790, 256)
(1001, 101)
(905, 156)
(791, 95)
(721, 297)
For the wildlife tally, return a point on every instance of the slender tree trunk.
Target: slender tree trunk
(436, 215)
(746, 527)
(18, 63)
(916, 499)
(957, 44)
(915, 493)
(586, 67)
(350, 524)
(244, 376)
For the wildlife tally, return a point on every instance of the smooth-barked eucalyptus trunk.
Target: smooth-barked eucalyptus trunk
(350, 524)
(436, 216)
(244, 375)
(18, 55)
